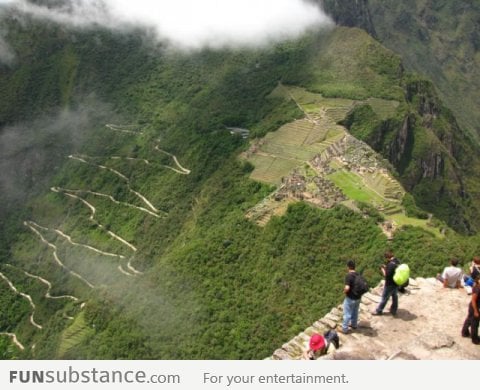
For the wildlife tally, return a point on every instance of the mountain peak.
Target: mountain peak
(427, 327)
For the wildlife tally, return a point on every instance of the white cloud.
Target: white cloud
(193, 23)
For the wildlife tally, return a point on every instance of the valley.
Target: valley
(162, 204)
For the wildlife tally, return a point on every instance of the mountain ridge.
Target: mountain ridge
(245, 288)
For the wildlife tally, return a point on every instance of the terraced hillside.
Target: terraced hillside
(352, 170)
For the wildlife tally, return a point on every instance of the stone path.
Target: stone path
(427, 327)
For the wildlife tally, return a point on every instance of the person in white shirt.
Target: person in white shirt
(452, 276)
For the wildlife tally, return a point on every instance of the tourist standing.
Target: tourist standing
(470, 326)
(390, 289)
(351, 303)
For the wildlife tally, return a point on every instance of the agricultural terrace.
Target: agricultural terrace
(355, 188)
(354, 167)
(279, 152)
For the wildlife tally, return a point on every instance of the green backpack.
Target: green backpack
(402, 274)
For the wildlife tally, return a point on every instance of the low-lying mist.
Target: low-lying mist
(31, 152)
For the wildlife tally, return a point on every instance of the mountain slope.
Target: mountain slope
(438, 39)
(143, 221)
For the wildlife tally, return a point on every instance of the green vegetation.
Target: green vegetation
(75, 334)
(411, 209)
(212, 283)
(354, 187)
(440, 40)
(356, 67)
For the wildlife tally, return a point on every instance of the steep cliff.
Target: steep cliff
(434, 157)
(427, 327)
(350, 13)
(438, 39)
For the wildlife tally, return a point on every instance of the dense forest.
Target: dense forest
(161, 193)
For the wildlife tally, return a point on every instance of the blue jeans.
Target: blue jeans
(389, 291)
(350, 313)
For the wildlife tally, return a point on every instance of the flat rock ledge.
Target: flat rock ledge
(427, 327)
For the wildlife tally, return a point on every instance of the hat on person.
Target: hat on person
(317, 342)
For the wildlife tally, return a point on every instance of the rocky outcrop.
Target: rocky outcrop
(432, 155)
(427, 327)
(350, 13)
(401, 147)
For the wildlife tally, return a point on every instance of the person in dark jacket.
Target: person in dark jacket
(470, 326)
(390, 289)
(351, 303)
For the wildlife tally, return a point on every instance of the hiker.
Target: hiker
(351, 303)
(318, 344)
(470, 326)
(390, 289)
(452, 276)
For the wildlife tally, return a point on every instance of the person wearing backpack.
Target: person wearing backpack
(355, 287)
(391, 288)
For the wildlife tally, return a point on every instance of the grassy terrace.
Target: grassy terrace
(402, 220)
(270, 169)
(354, 188)
(299, 141)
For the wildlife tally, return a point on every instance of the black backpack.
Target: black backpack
(360, 286)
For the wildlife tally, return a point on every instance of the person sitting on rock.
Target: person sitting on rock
(470, 326)
(318, 344)
(452, 276)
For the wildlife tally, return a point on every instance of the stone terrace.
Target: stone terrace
(427, 327)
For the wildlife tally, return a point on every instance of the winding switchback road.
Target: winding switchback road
(15, 341)
(25, 296)
(100, 226)
(47, 283)
(126, 129)
(31, 226)
(121, 176)
(181, 170)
